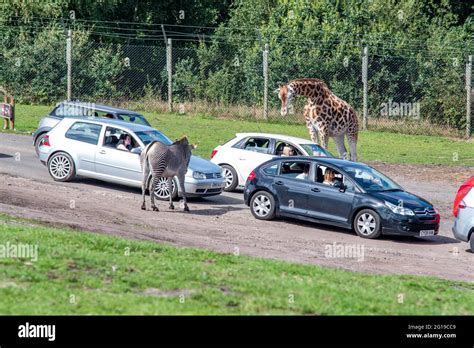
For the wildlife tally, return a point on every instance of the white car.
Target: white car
(240, 155)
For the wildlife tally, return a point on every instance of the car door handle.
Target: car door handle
(315, 189)
(279, 183)
(242, 159)
(102, 152)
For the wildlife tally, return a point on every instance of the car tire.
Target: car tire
(471, 242)
(262, 205)
(367, 224)
(61, 167)
(38, 141)
(161, 190)
(230, 176)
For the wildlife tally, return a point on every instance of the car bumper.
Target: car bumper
(204, 187)
(410, 226)
(462, 227)
(43, 154)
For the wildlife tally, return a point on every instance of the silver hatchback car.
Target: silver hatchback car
(108, 150)
(463, 228)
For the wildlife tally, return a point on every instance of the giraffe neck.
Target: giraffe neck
(310, 88)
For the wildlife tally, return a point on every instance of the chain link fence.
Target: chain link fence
(422, 94)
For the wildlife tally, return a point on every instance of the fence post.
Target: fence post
(169, 68)
(265, 82)
(365, 61)
(69, 64)
(468, 96)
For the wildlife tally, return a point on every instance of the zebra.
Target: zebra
(159, 160)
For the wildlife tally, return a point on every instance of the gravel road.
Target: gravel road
(224, 224)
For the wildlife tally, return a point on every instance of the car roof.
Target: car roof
(276, 136)
(324, 160)
(100, 107)
(134, 127)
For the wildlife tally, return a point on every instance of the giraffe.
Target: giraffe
(325, 114)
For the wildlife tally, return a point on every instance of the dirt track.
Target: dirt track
(224, 224)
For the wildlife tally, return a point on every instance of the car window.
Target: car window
(114, 137)
(85, 132)
(260, 145)
(99, 113)
(315, 150)
(283, 148)
(271, 170)
(295, 169)
(370, 179)
(133, 118)
(153, 135)
(327, 175)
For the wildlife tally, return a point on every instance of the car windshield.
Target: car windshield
(134, 118)
(371, 180)
(315, 150)
(149, 136)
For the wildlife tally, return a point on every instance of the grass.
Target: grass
(79, 272)
(208, 132)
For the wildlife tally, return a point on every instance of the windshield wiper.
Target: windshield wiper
(392, 190)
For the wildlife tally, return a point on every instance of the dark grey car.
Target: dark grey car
(76, 108)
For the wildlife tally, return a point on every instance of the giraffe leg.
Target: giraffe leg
(324, 136)
(340, 146)
(308, 115)
(352, 140)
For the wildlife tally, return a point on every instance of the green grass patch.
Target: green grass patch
(86, 273)
(209, 132)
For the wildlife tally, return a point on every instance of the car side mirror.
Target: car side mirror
(340, 186)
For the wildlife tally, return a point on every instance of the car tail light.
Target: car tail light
(46, 141)
(462, 192)
(213, 153)
(252, 176)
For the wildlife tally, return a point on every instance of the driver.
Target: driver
(329, 176)
(126, 145)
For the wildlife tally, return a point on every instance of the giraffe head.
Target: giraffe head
(285, 94)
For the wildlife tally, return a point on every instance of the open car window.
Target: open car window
(257, 144)
(295, 169)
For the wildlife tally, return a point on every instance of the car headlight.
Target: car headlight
(400, 210)
(199, 175)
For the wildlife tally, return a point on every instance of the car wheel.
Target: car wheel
(262, 205)
(162, 191)
(367, 224)
(61, 167)
(231, 178)
(471, 242)
(38, 142)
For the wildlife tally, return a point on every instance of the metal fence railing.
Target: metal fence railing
(418, 94)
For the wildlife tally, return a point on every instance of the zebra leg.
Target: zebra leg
(170, 189)
(183, 190)
(341, 147)
(146, 174)
(154, 182)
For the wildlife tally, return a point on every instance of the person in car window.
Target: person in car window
(289, 151)
(329, 176)
(126, 144)
(305, 174)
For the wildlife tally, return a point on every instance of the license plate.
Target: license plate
(216, 184)
(424, 233)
